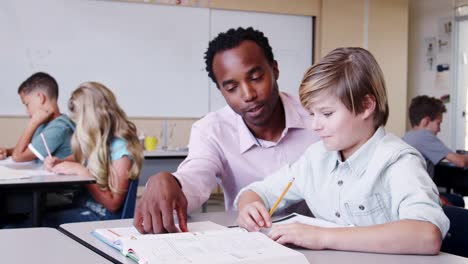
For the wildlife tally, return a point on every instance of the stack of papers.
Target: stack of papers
(222, 245)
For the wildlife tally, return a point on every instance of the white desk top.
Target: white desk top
(43, 245)
(41, 178)
(48, 180)
(159, 153)
(25, 165)
(83, 232)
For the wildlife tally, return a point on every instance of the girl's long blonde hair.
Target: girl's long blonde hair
(99, 119)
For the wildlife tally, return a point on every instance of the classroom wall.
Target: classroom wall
(342, 24)
(425, 16)
(338, 23)
(388, 41)
(386, 36)
(297, 7)
(177, 129)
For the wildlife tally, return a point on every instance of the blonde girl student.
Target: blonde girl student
(105, 147)
(358, 174)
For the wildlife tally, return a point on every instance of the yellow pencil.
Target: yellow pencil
(113, 232)
(272, 210)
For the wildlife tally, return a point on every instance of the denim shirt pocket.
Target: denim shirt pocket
(370, 210)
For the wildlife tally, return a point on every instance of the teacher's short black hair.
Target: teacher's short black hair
(231, 39)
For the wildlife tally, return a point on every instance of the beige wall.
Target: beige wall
(424, 21)
(388, 41)
(297, 7)
(343, 25)
(11, 129)
(338, 23)
(178, 129)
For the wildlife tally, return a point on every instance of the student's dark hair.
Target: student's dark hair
(424, 106)
(233, 38)
(40, 81)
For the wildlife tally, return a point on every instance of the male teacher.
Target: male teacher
(258, 132)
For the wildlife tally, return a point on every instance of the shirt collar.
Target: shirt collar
(293, 120)
(359, 160)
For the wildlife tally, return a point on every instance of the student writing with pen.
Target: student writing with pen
(39, 94)
(358, 174)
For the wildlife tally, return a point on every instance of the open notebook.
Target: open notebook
(206, 243)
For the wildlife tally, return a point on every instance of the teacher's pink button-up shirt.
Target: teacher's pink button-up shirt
(223, 150)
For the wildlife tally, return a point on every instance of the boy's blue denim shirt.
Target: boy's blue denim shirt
(384, 180)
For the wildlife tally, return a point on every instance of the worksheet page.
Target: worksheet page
(233, 245)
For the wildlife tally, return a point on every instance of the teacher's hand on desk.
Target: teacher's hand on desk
(154, 211)
(3, 153)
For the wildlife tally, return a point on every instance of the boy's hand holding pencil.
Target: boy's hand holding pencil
(253, 214)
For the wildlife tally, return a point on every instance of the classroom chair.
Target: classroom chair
(456, 240)
(129, 205)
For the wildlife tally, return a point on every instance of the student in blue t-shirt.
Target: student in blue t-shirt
(105, 147)
(39, 93)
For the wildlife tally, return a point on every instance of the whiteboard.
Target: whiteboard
(290, 37)
(150, 56)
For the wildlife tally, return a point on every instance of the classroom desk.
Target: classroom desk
(448, 175)
(82, 233)
(165, 154)
(39, 184)
(160, 160)
(43, 245)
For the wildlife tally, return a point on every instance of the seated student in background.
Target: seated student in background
(357, 175)
(105, 147)
(39, 93)
(425, 114)
(260, 130)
